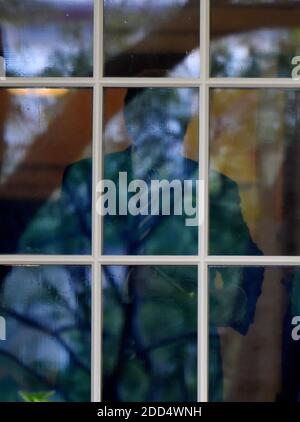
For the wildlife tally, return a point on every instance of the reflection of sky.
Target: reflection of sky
(31, 60)
(189, 67)
(43, 42)
(31, 47)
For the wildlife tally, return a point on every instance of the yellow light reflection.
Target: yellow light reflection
(39, 92)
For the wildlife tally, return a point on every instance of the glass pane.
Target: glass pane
(157, 38)
(45, 200)
(150, 138)
(47, 37)
(45, 333)
(150, 333)
(256, 38)
(254, 161)
(254, 334)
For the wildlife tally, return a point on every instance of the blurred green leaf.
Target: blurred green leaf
(38, 397)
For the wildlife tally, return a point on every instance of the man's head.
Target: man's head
(157, 114)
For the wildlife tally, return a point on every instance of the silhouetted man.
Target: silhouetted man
(156, 120)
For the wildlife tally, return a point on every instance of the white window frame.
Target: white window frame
(203, 261)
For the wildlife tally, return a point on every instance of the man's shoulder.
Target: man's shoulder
(80, 172)
(218, 179)
(80, 169)
(223, 190)
(77, 181)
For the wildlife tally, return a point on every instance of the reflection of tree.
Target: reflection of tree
(52, 333)
(51, 307)
(66, 64)
(28, 369)
(133, 345)
(238, 29)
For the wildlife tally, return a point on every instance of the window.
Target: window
(172, 97)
